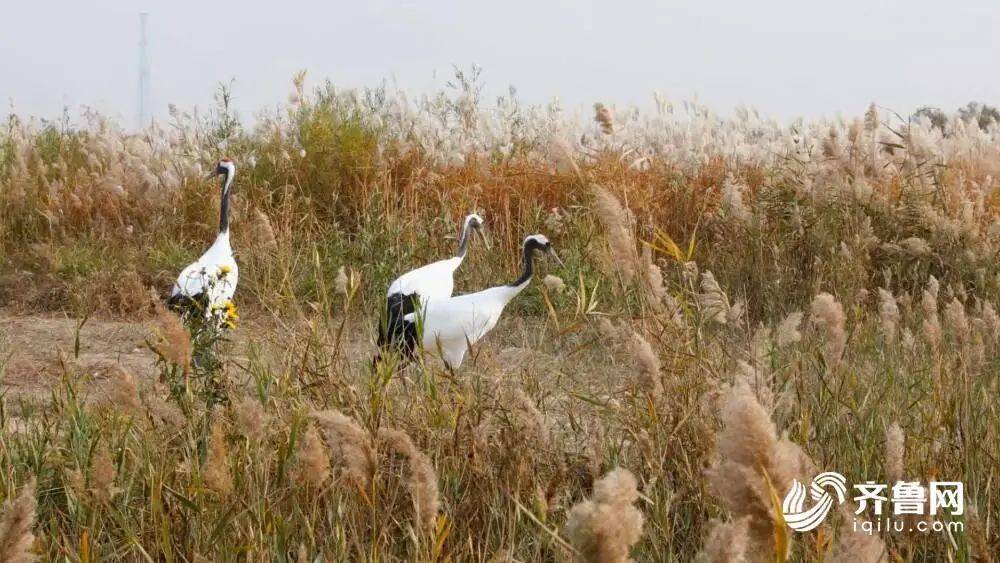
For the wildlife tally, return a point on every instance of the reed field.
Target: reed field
(743, 303)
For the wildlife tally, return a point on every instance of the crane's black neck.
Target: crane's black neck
(224, 207)
(529, 267)
(463, 242)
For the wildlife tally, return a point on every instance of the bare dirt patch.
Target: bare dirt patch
(38, 350)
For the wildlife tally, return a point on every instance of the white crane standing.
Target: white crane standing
(210, 281)
(454, 324)
(416, 288)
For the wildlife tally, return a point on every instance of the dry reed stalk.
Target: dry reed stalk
(604, 528)
(18, 516)
(422, 480)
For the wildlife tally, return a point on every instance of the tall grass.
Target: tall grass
(743, 303)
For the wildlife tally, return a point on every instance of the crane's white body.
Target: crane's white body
(437, 279)
(433, 281)
(215, 274)
(455, 323)
(416, 289)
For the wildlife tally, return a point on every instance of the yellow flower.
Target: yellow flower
(231, 313)
(225, 269)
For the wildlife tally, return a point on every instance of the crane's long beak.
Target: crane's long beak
(554, 256)
(485, 237)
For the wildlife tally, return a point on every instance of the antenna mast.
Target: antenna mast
(143, 71)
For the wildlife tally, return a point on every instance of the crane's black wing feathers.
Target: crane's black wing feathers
(395, 331)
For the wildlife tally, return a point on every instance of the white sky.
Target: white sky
(785, 57)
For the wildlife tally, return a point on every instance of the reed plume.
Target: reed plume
(978, 537)
(726, 541)
(216, 473)
(713, 301)
(173, 342)
(313, 458)
(341, 283)
(162, 412)
(263, 232)
(18, 516)
(788, 330)
(604, 528)
(554, 284)
(102, 474)
(122, 391)
(617, 222)
(750, 458)
(350, 446)
(829, 316)
(894, 452)
(648, 366)
(422, 479)
(854, 545)
(888, 314)
(251, 420)
(957, 321)
(931, 325)
(604, 117)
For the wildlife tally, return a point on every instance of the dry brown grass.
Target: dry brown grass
(671, 354)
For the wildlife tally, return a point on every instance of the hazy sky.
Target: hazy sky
(785, 57)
